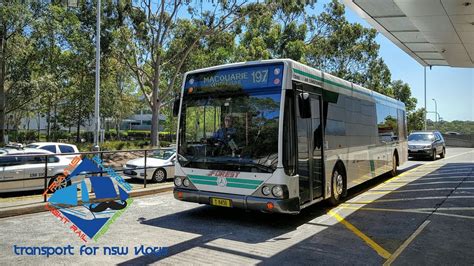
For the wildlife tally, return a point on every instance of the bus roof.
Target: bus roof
(313, 76)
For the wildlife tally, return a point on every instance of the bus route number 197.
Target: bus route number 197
(260, 76)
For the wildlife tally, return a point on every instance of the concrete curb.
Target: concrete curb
(40, 207)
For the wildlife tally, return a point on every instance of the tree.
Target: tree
(402, 92)
(416, 120)
(147, 37)
(14, 16)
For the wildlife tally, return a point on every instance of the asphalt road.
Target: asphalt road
(422, 216)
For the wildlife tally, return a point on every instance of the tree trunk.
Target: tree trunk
(3, 45)
(156, 104)
(78, 131)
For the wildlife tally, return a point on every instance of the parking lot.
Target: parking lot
(422, 216)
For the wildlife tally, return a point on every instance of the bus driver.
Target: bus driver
(226, 133)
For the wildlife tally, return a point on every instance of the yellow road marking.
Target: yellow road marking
(421, 167)
(406, 243)
(380, 250)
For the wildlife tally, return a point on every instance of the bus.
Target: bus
(278, 136)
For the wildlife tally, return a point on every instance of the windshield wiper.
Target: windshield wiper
(262, 167)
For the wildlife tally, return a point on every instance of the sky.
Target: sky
(452, 88)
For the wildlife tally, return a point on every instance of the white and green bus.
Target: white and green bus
(278, 136)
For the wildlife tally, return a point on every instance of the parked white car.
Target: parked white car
(56, 147)
(160, 166)
(14, 169)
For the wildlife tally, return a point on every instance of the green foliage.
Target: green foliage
(402, 92)
(463, 127)
(144, 53)
(416, 120)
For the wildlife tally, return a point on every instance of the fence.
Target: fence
(50, 175)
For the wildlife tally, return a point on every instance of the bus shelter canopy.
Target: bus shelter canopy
(433, 32)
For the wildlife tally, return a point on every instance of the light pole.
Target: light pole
(425, 97)
(97, 81)
(436, 111)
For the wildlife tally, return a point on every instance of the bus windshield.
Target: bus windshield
(231, 128)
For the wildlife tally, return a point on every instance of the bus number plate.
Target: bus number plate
(221, 202)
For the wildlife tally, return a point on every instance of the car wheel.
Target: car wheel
(159, 175)
(337, 184)
(393, 172)
(64, 183)
(443, 153)
(433, 156)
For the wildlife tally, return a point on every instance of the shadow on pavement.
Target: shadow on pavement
(212, 223)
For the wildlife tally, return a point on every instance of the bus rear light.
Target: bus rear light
(180, 195)
(270, 205)
(276, 81)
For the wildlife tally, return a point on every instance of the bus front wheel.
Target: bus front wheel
(337, 186)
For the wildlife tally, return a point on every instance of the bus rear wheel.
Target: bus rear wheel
(393, 172)
(337, 186)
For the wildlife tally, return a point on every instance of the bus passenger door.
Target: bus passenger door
(303, 126)
(310, 139)
(317, 146)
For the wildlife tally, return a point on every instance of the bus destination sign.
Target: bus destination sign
(237, 78)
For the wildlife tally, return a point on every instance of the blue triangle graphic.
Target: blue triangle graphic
(88, 227)
(86, 165)
(67, 195)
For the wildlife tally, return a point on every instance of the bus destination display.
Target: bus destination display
(252, 77)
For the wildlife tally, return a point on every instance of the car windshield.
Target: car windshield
(163, 154)
(421, 137)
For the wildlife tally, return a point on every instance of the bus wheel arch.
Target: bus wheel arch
(338, 183)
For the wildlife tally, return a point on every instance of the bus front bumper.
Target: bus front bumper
(289, 206)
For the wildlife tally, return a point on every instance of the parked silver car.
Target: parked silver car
(14, 168)
(426, 144)
(160, 166)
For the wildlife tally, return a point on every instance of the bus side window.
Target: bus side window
(304, 105)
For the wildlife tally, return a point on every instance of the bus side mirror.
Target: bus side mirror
(304, 105)
(176, 107)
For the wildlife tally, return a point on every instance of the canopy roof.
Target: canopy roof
(433, 32)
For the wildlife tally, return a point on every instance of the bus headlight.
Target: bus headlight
(277, 191)
(178, 181)
(266, 190)
(186, 182)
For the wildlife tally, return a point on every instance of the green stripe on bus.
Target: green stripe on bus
(203, 182)
(297, 71)
(320, 79)
(245, 181)
(237, 185)
(202, 177)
